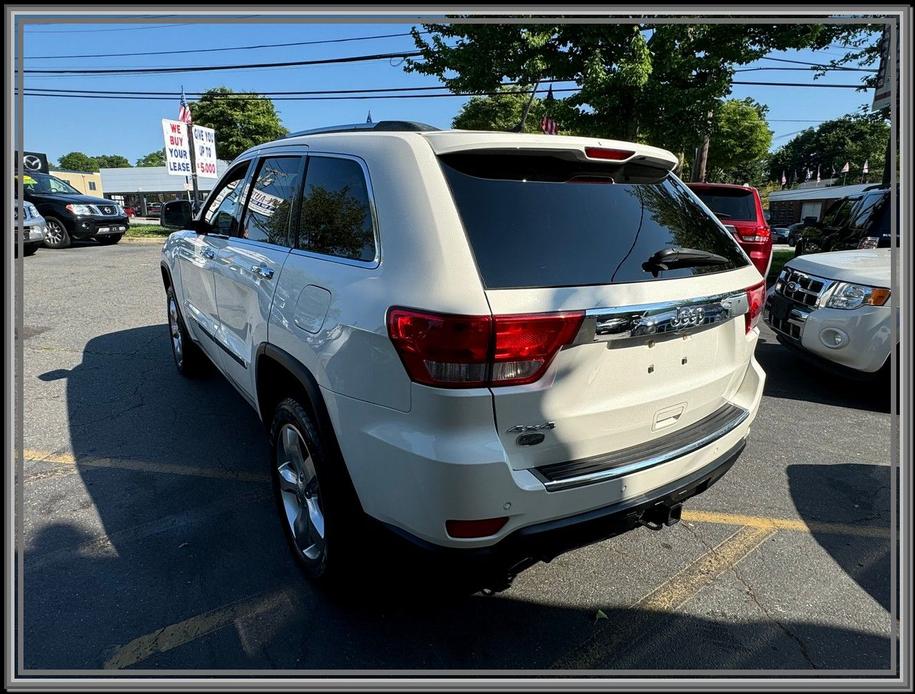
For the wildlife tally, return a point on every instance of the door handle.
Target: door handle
(262, 271)
(208, 253)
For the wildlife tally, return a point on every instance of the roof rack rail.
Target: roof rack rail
(382, 125)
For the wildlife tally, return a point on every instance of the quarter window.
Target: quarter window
(269, 206)
(335, 217)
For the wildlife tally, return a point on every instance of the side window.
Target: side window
(272, 196)
(222, 210)
(91, 185)
(335, 217)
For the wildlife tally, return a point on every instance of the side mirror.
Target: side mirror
(176, 213)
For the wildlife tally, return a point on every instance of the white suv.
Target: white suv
(496, 346)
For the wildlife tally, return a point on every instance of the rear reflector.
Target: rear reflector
(475, 528)
(607, 153)
(452, 351)
(756, 297)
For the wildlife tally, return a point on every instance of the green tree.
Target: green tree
(240, 119)
(852, 139)
(111, 161)
(156, 158)
(739, 143)
(77, 161)
(502, 112)
(643, 82)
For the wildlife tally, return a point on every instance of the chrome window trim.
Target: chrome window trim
(660, 319)
(376, 261)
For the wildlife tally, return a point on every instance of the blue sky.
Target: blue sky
(132, 128)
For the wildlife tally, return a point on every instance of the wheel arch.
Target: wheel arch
(166, 275)
(278, 375)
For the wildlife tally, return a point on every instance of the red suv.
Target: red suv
(740, 210)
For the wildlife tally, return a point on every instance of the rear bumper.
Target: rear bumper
(544, 541)
(442, 461)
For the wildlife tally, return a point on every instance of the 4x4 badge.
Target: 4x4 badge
(521, 428)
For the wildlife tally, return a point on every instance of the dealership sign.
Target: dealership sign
(177, 148)
(35, 161)
(205, 151)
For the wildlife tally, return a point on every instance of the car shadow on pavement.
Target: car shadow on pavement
(790, 376)
(109, 609)
(176, 473)
(850, 494)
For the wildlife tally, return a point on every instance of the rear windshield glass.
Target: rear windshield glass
(543, 221)
(738, 205)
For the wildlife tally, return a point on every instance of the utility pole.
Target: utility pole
(520, 127)
(192, 148)
(701, 161)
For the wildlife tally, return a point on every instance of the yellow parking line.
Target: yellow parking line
(32, 455)
(175, 635)
(792, 524)
(672, 593)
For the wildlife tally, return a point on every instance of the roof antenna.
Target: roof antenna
(520, 127)
(368, 118)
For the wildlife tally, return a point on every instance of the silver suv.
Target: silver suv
(492, 346)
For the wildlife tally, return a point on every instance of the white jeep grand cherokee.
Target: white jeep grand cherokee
(496, 346)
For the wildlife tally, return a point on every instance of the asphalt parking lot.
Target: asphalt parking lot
(150, 540)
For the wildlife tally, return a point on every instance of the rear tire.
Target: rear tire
(321, 520)
(57, 235)
(190, 360)
(29, 249)
(110, 240)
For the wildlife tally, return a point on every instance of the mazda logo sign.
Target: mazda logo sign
(31, 162)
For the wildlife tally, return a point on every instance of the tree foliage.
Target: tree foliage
(502, 112)
(111, 161)
(239, 123)
(77, 161)
(854, 139)
(739, 142)
(156, 158)
(643, 82)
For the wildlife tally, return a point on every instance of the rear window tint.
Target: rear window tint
(736, 205)
(542, 221)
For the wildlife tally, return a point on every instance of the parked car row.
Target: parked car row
(69, 215)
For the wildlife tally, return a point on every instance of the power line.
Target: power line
(360, 96)
(819, 65)
(227, 48)
(211, 68)
(803, 69)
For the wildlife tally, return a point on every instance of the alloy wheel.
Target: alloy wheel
(298, 483)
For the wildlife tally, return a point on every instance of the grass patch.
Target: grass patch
(779, 258)
(141, 231)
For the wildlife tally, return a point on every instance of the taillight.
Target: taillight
(607, 153)
(757, 235)
(756, 298)
(453, 351)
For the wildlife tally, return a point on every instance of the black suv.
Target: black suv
(856, 221)
(72, 215)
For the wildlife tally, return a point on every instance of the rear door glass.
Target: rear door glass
(544, 221)
(735, 205)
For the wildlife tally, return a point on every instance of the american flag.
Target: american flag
(548, 125)
(184, 111)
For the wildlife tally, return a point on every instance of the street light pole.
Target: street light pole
(192, 148)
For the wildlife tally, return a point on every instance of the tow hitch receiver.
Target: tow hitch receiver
(656, 517)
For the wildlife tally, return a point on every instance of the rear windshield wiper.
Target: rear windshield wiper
(669, 258)
(723, 215)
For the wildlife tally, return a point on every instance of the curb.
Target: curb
(143, 240)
